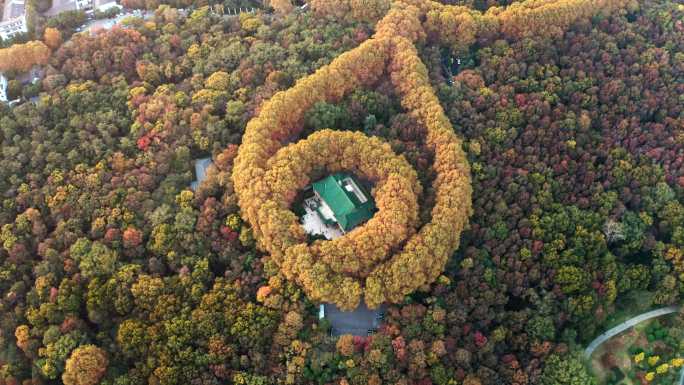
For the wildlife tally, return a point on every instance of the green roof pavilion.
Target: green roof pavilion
(344, 201)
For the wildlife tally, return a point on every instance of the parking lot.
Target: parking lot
(360, 322)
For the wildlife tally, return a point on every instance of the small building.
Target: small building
(13, 9)
(84, 4)
(3, 88)
(338, 204)
(13, 19)
(343, 201)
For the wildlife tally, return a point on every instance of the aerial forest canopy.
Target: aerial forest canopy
(526, 159)
(328, 271)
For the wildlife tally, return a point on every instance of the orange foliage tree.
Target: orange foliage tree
(52, 37)
(22, 57)
(86, 366)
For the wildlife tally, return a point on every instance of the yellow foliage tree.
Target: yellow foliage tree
(219, 81)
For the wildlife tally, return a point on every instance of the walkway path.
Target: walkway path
(628, 324)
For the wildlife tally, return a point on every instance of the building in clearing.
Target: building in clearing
(339, 203)
(343, 201)
(3, 88)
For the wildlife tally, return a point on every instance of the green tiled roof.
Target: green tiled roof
(349, 211)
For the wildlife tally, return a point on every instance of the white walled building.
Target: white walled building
(84, 4)
(3, 88)
(13, 18)
(13, 26)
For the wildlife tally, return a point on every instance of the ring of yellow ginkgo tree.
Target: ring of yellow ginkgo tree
(396, 194)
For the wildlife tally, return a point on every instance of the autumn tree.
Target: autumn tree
(551, 18)
(282, 6)
(52, 37)
(568, 370)
(93, 258)
(362, 10)
(86, 366)
(22, 57)
(576, 187)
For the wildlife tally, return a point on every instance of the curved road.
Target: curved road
(628, 324)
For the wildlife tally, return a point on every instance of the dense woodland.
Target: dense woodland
(113, 271)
